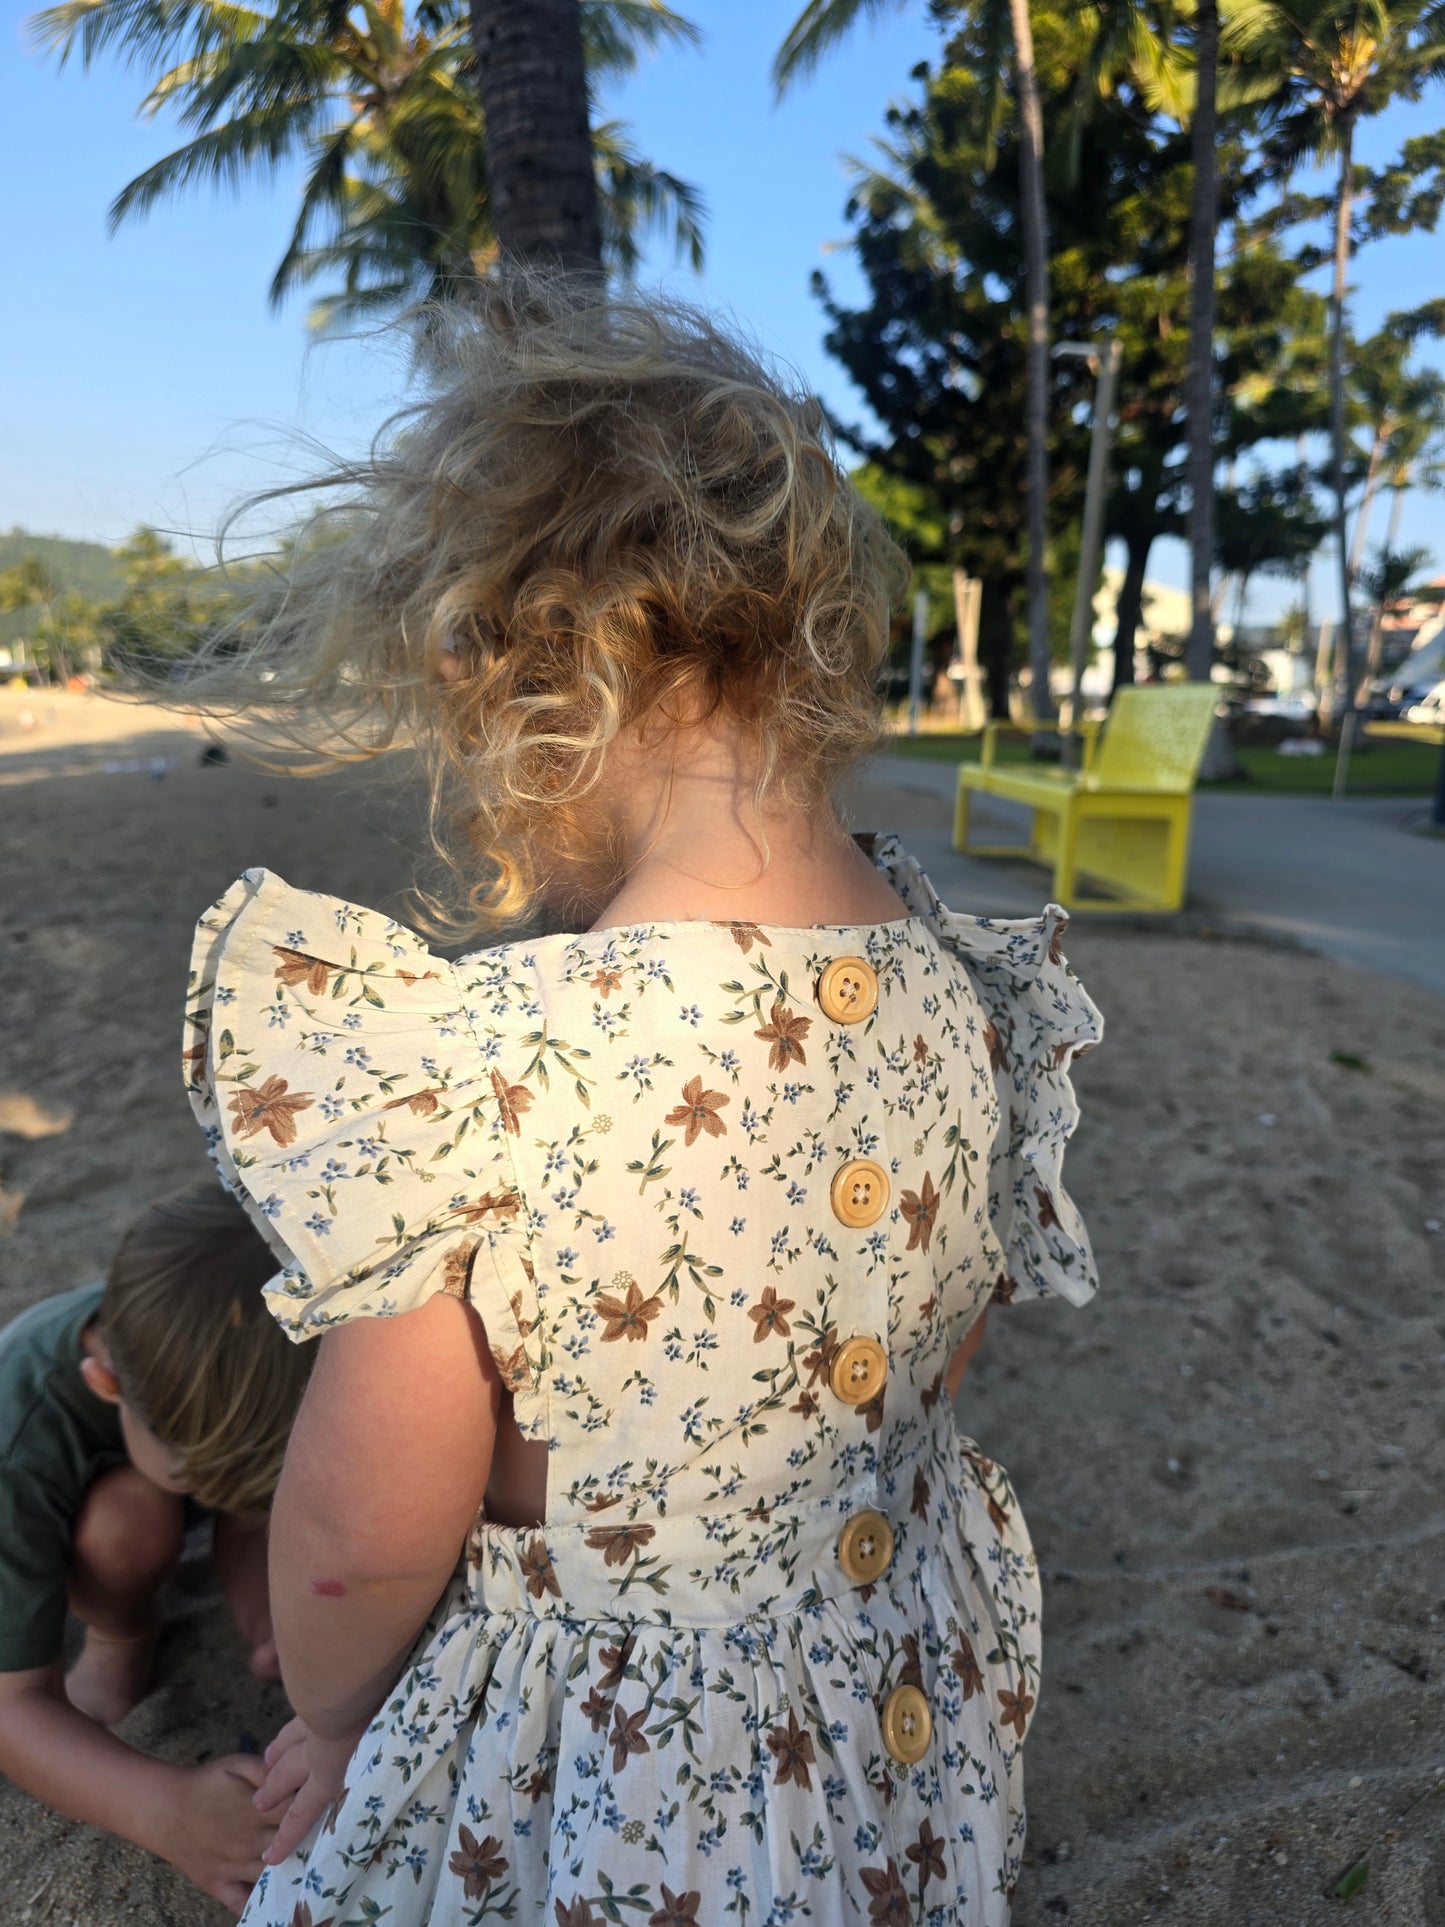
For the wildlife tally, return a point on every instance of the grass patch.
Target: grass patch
(1381, 769)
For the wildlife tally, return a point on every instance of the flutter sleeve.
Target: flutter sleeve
(1038, 1019)
(331, 1061)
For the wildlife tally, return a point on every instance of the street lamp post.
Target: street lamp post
(1106, 356)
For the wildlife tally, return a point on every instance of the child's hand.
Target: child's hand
(218, 1837)
(306, 1775)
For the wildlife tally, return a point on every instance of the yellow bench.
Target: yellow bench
(1430, 734)
(1124, 818)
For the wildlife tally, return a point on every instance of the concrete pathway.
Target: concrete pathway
(1347, 879)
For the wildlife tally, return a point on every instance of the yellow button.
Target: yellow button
(907, 1724)
(865, 1547)
(859, 1369)
(859, 1192)
(848, 990)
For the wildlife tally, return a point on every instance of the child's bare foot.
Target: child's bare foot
(111, 1675)
(265, 1660)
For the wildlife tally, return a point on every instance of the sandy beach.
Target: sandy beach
(1232, 1462)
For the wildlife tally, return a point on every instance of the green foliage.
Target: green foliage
(377, 102)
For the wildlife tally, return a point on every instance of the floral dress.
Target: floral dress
(727, 1197)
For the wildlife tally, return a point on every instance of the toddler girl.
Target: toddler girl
(627, 1562)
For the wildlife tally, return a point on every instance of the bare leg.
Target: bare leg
(127, 1541)
(241, 1568)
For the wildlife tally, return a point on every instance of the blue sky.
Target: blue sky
(145, 379)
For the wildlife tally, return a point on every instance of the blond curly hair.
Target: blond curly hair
(606, 505)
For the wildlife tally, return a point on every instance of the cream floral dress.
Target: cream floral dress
(727, 1197)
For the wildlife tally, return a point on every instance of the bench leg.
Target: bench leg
(1066, 860)
(960, 833)
(960, 815)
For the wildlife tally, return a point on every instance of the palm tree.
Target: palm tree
(29, 584)
(1008, 29)
(383, 105)
(1334, 66)
(1414, 457)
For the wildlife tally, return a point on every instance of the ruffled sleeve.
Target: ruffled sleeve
(1037, 1019)
(331, 1061)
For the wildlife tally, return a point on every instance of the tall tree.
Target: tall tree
(1004, 29)
(1204, 220)
(379, 100)
(533, 86)
(1334, 66)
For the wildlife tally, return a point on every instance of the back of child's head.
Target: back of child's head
(608, 509)
(198, 1355)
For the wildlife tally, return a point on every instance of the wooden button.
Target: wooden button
(859, 1369)
(848, 990)
(859, 1192)
(907, 1724)
(865, 1547)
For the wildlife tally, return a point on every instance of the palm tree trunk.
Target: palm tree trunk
(533, 87)
(1377, 621)
(1130, 608)
(1036, 277)
(1383, 430)
(1345, 656)
(1204, 218)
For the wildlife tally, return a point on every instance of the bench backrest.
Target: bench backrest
(1155, 737)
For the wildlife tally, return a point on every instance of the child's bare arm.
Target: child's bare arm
(386, 1469)
(201, 1818)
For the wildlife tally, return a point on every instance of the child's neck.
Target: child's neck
(697, 847)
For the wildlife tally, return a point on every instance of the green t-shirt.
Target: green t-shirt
(56, 1438)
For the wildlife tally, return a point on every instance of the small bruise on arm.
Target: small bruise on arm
(328, 1588)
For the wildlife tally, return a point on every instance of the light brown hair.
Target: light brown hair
(199, 1358)
(610, 509)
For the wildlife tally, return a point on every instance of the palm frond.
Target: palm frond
(636, 196)
(142, 32)
(616, 32)
(818, 29)
(221, 158)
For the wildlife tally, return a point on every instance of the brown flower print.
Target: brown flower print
(785, 1032)
(997, 1515)
(410, 977)
(887, 1902)
(477, 1866)
(576, 1913)
(512, 1367)
(628, 1737)
(1056, 942)
(195, 1060)
(1047, 1213)
(457, 1270)
(920, 1049)
(513, 1099)
(911, 1671)
(422, 1103)
(745, 935)
(301, 1917)
(927, 1855)
(628, 1317)
(500, 1204)
(297, 968)
(597, 1710)
(536, 1564)
(871, 1410)
(1014, 1708)
(604, 982)
(792, 1747)
(677, 1910)
(698, 1111)
(1004, 1290)
(919, 1507)
(614, 1666)
(819, 1361)
(919, 1209)
(539, 1783)
(993, 1043)
(272, 1107)
(965, 1664)
(805, 1404)
(769, 1315)
(618, 1544)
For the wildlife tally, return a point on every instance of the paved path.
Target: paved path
(1347, 879)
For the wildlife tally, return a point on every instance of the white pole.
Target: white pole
(915, 665)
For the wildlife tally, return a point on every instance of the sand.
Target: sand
(1232, 1462)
